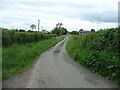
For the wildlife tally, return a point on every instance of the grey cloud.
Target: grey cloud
(83, 11)
(24, 11)
(92, 15)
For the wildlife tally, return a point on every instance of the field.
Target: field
(98, 51)
(19, 57)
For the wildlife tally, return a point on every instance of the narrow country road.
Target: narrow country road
(55, 69)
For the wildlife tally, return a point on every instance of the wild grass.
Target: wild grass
(18, 58)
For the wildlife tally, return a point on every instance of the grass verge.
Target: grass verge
(18, 58)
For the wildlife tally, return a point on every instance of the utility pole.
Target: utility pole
(41, 28)
(38, 25)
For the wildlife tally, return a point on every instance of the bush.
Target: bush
(10, 37)
(98, 51)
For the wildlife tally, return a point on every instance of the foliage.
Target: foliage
(33, 26)
(98, 51)
(18, 58)
(59, 25)
(59, 30)
(74, 32)
(92, 30)
(30, 31)
(10, 37)
(21, 30)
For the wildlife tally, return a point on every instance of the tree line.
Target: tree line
(58, 29)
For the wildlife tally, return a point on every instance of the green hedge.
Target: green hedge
(10, 37)
(98, 51)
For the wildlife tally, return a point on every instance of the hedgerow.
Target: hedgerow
(10, 37)
(99, 51)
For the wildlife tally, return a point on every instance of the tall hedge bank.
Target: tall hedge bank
(99, 51)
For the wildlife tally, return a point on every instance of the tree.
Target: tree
(33, 26)
(63, 31)
(92, 30)
(30, 31)
(56, 31)
(81, 29)
(59, 25)
(21, 30)
(59, 30)
(16, 30)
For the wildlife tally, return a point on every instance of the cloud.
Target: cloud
(94, 15)
(73, 14)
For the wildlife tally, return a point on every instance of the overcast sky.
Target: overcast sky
(74, 14)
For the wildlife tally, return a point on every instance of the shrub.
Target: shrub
(10, 37)
(98, 51)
